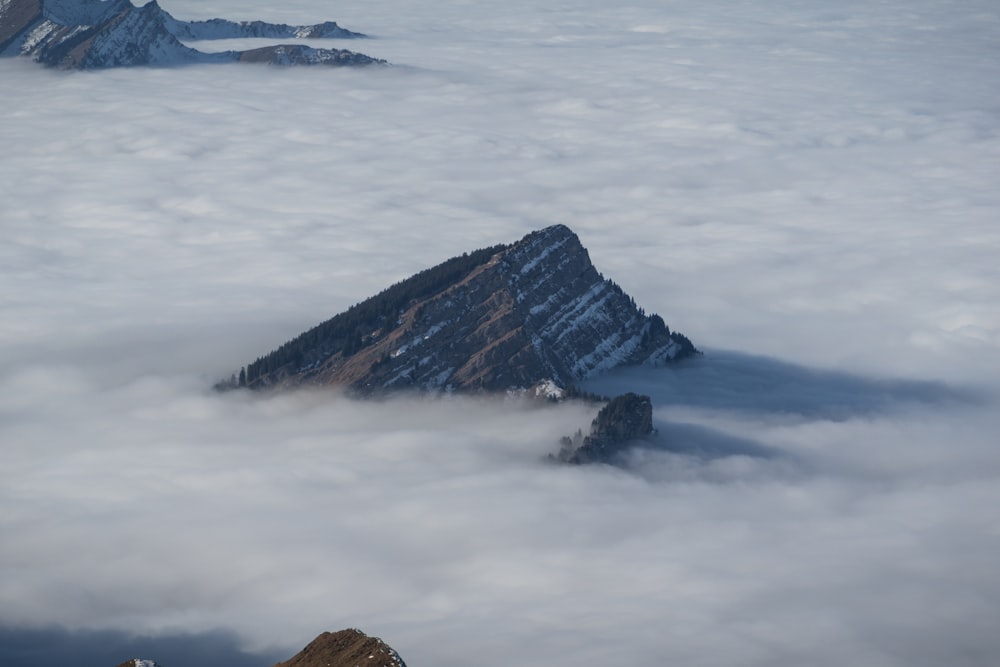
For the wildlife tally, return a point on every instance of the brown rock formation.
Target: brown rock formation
(347, 648)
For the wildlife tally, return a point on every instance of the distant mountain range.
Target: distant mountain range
(346, 648)
(531, 316)
(95, 34)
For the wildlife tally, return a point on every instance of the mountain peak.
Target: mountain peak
(499, 318)
(346, 648)
(557, 230)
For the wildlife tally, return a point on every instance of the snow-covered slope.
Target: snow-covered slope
(92, 34)
(532, 314)
(580, 322)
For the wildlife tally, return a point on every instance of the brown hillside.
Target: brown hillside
(347, 648)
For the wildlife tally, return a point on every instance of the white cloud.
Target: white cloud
(811, 184)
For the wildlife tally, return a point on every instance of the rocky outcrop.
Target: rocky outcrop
(16, 16)
(347, 648)
(500, 318)
(299, 54)
(95, 34)
(619, 424)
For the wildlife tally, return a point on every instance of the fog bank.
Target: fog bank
(807, 192)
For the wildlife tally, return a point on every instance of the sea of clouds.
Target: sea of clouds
(806, 189)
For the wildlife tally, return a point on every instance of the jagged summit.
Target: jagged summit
(499, 318)
(95, 34)
(625, 420)
(346, 648)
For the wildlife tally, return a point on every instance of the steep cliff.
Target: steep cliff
(499, 318)
(619, 424)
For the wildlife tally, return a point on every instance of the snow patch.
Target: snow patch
(441, 380)
(542, 255)
(428, 333)
(570, 318)
(609, 354)
(663, 355)
(549, 389)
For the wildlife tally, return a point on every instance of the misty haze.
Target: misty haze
(808, 190)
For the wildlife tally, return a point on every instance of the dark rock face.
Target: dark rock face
(500, 318)
(15, 17)
(624, 420)
(94, 34)
(298, 54)
(347, 648)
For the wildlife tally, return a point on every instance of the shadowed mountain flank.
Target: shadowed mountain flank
(500, 318)
(98, 34)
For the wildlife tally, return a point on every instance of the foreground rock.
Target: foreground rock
(625, 420)
(96, 34)
(347, 648)
(510, 317)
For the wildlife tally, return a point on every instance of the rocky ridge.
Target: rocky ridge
(532, 314)
(347, 648)
(96, 34)
(625, 420)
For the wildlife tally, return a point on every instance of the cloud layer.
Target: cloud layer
(812, 187)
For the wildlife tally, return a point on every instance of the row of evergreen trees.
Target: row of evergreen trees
(350, 331)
